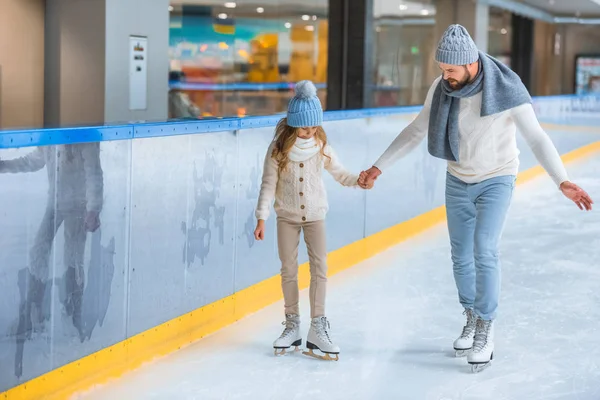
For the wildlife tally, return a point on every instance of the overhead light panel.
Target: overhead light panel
(230, 5)
(403, 7)
(260, 10)
(222, 16)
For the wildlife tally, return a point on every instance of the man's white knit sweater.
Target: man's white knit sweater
(488, 146)
(299, 192)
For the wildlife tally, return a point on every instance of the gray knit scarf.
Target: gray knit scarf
(502, 90)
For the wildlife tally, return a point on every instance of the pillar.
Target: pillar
(87, 63)
(350, 58)
(522, 48)
(21, 63)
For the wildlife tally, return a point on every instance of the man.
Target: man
(471, 114)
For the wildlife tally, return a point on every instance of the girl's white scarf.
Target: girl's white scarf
(304, 149)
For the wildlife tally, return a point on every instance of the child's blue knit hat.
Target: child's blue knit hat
(456, 47)
(305, 108)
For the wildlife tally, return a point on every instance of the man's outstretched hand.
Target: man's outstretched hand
(577, 195)
(367, 178)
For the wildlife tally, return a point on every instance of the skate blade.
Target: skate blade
(326, 357)
(477, 368)
(461, 353)
(283, 351)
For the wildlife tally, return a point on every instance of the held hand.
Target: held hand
(92, 221)
(577, 195)
(368, 177)
(364, 185)
(259, 232)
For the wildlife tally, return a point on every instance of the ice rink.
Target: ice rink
(395, 317)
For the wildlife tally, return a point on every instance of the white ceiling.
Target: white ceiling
(567, 8)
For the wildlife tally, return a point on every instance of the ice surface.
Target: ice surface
(395, 317)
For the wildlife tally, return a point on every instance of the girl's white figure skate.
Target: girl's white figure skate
(319, 339)
(483, 346)
(290, 336)
(464, 343)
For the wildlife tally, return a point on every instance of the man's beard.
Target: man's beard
(456, 85)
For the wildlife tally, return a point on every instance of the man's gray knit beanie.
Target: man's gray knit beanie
(456, 47)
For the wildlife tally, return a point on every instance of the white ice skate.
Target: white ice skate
(483, 346)
(291, 335)
(464, 343)
(319, 339)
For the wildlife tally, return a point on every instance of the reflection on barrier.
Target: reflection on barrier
(102, 240)
(568, 108)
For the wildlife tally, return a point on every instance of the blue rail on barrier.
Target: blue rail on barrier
(236, 86)
(251, 87)
(144, 129)
(45, 137)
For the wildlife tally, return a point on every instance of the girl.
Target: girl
(292, 176)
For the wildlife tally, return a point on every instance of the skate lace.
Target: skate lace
(323, 330)
(289, 328)
(470, 325)
(482, 332)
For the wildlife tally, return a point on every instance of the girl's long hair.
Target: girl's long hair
(285, 138)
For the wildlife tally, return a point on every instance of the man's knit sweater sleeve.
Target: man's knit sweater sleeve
(539, 142)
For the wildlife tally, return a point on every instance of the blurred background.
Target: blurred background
(63, 62)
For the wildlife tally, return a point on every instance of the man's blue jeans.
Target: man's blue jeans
(476, 215)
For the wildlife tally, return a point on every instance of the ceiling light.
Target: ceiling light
(314, 18)
(403, 7)
(305, 17)
(503, 31)
(230, 5)
(222, 16)
(309, 28)
(260, 10)
(171, 8)
(424, 12)
(288, 25)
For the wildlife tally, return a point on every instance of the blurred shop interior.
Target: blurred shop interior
(242, 57)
